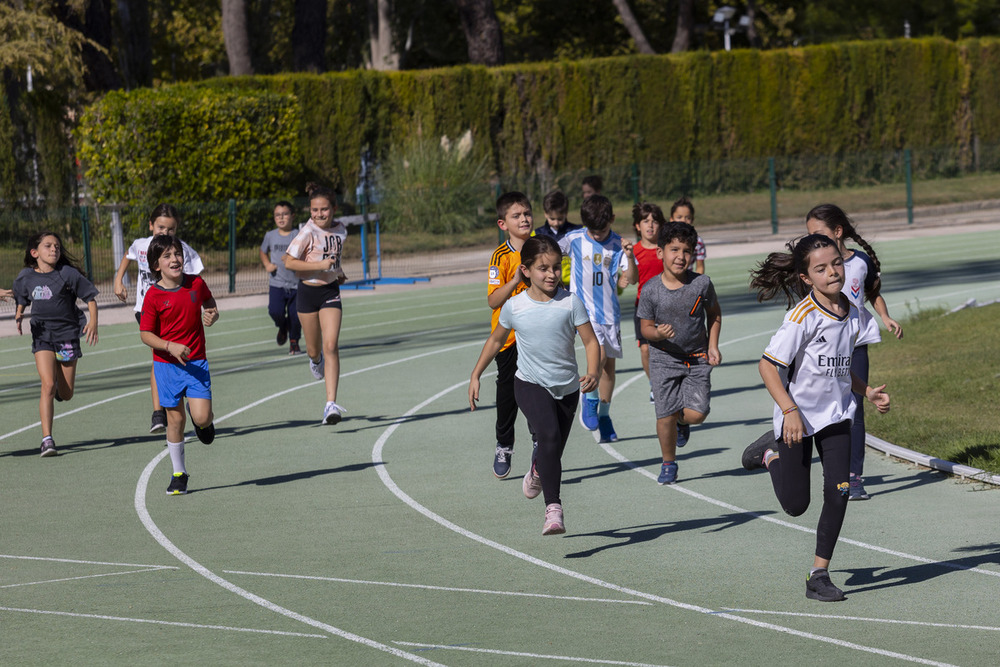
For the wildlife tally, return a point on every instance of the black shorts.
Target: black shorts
(66, 351)
(313, 298)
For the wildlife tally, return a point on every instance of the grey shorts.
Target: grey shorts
(679, 384)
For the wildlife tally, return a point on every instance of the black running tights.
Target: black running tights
(550, 420)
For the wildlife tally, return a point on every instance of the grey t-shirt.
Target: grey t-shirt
(55, 317)
(683, 309)
(274, 246)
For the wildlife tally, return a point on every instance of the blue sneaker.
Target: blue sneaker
(668, 473)
(606, 429)
(588, 412)
(683, 433)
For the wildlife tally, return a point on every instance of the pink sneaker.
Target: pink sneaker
(553, 520)
(532, 484)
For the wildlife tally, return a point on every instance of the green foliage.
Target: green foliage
(8, 167)
(190, 144)
(434, 185)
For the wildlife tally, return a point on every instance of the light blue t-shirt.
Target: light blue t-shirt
(546, 337)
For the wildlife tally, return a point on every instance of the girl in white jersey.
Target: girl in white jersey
(807, 370)
(861, 281)
(314, 255)
(547, 384)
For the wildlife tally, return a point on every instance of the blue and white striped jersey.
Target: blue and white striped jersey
(595, 268)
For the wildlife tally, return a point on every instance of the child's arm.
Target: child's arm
(593, 348)
(90, 328)
(6, 294)
(210, 314)
(490, 350)
(699, 266)
(293, 264)
(654, 332)
(792, 428)
(883, 311)
(268, 265)
(877, 395)
(497, 297)
(713, 318)
(18, 316)
(120, 290)
(175, 350)
(630, 276)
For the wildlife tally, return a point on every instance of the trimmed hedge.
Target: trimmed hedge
(570, 117)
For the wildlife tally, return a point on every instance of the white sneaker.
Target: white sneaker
(318, 368)
(553, 520)
(532, 484)
(332, 413)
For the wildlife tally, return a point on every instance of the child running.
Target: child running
(683, 211)
(647, 218)
(547, 384)
(681, 318)
(861, 281)
(173, 324)
(282, 283)
(807, 370)
(50, 283)
(314, 255)
(162, 220)
(601, 263)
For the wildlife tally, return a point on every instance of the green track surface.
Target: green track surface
(386, 539)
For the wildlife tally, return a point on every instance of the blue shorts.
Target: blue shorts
(174, 381)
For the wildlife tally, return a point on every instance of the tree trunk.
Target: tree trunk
(309, 36)
(100, 72)
(234, 31)
(383, 51)
(752, 35)
(482, 31)
(685, 26)
(137, 60)
(633, 27)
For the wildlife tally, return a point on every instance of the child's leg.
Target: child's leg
(201, 411)
(834, 446)
(66, 378)
(294, 326)
(607, 381)
(329, 321)
(644, 354)
(550, 421)
(790, 475)
(276, 306)
(666, 433)
(153, 390)
(175, 436)
(313, 334)
(45, 363)
(859, 366)
(507, 405)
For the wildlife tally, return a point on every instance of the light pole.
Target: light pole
(723, 15)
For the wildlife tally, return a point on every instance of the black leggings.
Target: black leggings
(506, 404)
(790, 478)
(550, 420)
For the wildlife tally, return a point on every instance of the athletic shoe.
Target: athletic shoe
(857, 489)
(317, 368)
(158, 423)
(332, 413)
(606, 429)
(178, 484)
(293, 348)
(753, 455)
(553, 520)
(501, 461)
(282, 336)
(588, 412)
(205, 433)
(819, 587)
(668, 474)
(683, 433)
(532, 484)
(57, 396)
(48, 447)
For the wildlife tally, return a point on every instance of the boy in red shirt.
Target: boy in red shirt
(173, 324)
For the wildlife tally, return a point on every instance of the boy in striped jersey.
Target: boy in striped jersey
(514, 217)
(601, 262)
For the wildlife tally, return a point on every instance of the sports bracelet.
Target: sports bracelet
(790, 410)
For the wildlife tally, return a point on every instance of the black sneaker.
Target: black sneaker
(57, 396)
(205, 433)
(178, 484)
(819, 587)
(753, 455)
(158, 423)
(282, 337)
(501, 461)
(48, 447)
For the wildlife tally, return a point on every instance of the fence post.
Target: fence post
(635, 183)
(772, 179)
(362, 200)
(232, 246)
(88, 263)
(908, 162)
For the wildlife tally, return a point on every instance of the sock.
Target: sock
(604, 409)
(814, 570)
(176, 450)
(592, 395)
(769, 456)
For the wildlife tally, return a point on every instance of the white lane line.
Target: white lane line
(865, 619)
(381, 469)
(437, 588)
(199, 626)
(85, 576)
(88, 562)
(521, 654)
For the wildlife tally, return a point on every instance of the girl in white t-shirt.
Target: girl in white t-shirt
(862, 281)
(807, 370)
(547, 384)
